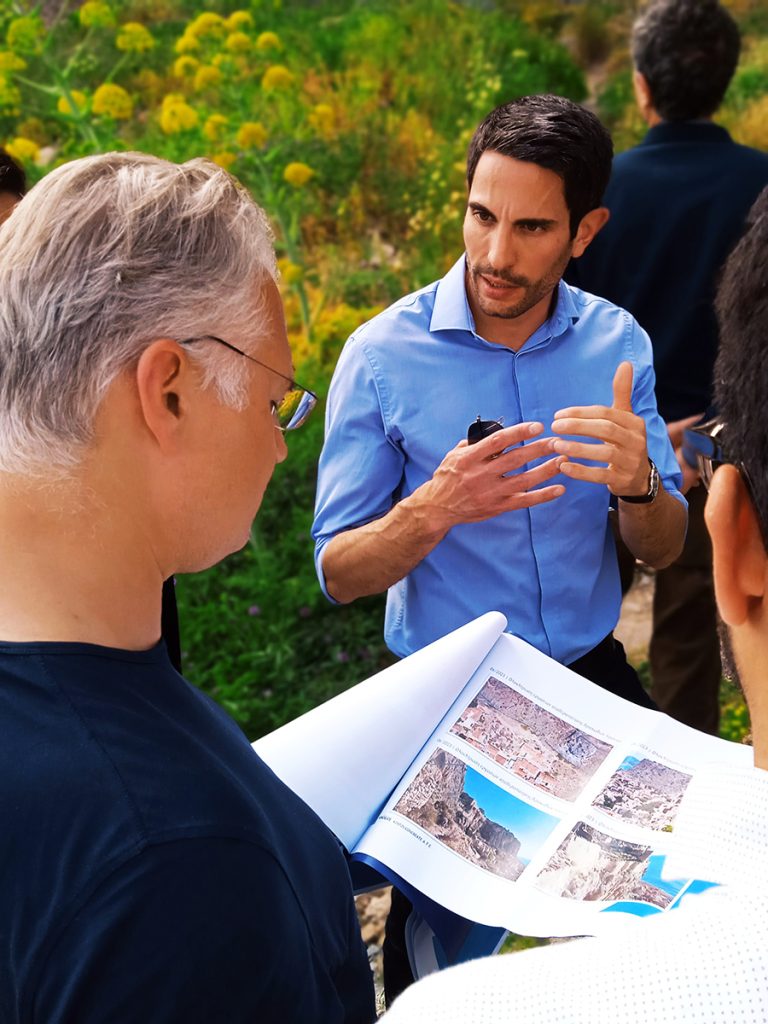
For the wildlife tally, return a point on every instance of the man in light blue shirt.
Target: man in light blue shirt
(518, 521)
(501, 337)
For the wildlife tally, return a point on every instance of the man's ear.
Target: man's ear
(162, 377)
(739, 557)
(643, 96)
(591, 223)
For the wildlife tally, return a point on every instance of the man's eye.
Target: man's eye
(532, 228)
(482, 215)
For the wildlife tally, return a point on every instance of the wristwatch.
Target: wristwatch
(653, 489)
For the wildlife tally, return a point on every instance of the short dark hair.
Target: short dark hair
(687, 50)
(12, 177)
(554, 133)
(741, 370)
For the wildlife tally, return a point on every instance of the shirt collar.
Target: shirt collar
(451, 310)
(721, 831)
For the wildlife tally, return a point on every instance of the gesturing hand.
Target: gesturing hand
(471, 483)
(620, 436)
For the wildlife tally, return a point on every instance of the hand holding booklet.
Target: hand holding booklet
(501, 786)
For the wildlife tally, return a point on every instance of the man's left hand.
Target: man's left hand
(620, 436)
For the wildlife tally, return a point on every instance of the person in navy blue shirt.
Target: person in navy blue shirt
(518, 522)
(678, 204)
(153, 868)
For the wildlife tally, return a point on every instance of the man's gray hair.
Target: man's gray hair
(104, 255)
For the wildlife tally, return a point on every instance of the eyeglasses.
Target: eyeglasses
(703, 446)
(298, 402)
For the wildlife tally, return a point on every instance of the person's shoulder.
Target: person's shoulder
(596, 306)
(599, 316)
(630, 161)
(750, 157)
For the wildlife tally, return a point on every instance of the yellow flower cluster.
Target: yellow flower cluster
(214, 126)
(185, 66)
(149, 84)
(176, 115)
(276, 77)
(298, 174)
(207, 77)
(24, 150)
(322, 119)
(290, 272)
(96, 14)
(207, 24)
(113, 101)
(79, 100)
(186, 44)
(11, 62)
(251, 135)
(25, 34)
(10, 97)
(224, 159)
(268, 41)
(238, 42)
(239, 20)
(133, 37)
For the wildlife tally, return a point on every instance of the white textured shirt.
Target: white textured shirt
(704, 962)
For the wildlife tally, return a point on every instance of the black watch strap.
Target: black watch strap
(653, 489)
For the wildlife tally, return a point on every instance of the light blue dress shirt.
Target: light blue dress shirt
(407, 386)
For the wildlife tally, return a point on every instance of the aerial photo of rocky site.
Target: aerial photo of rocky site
(589, 865)
(528, 741)
(644, 792)
(437, 801)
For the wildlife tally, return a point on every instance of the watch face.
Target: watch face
(653, 488)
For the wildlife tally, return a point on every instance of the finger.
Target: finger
(527, 499)
(592, 452)
(622, 387)
(582, 412)
(593, 474)
(600, 429)
(496, 442)
(532, 477)
(515, 457)
(591, 412)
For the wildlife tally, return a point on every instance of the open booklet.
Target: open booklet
(501, 785)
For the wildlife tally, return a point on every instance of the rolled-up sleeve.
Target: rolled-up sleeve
(361, 464)
(644, 404)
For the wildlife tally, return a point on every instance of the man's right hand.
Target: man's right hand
(479, 481)
(472, 483)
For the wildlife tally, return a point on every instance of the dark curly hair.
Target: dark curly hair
(687, 51)
(554, 133)
(741, 370)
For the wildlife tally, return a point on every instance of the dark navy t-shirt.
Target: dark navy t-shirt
(152, 868)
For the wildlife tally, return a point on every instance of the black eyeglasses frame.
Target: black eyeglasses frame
(307, 402)
(703, 443)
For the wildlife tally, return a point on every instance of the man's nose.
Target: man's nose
(501, 253)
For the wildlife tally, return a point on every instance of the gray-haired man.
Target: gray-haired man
(152, 867)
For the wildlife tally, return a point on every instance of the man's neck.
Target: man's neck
(74, 571)
(513, 332)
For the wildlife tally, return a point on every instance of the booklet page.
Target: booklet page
(544, 804)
